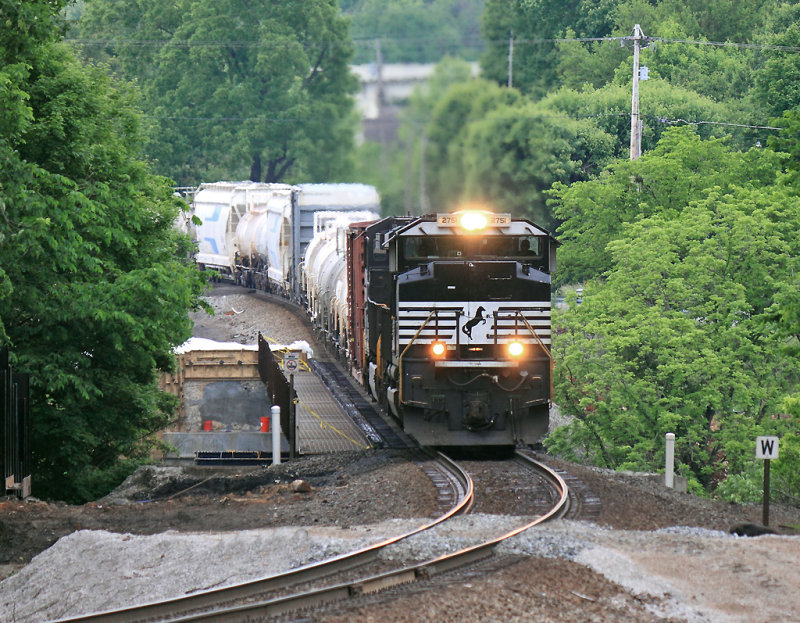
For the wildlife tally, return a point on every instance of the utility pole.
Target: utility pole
(381, 101)
(636, 120)
(510, 58)
(423, 196)
(379, 74)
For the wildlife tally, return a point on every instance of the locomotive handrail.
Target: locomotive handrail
(533, 332)
(544, 348)
(413, 339)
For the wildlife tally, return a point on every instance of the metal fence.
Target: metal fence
(15, 447)
(278, 388)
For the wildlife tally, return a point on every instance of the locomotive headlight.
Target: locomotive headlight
(474, 221)
(515, 349)
(438, 349)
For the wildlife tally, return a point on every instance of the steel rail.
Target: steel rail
(170, 608)
(379, 582)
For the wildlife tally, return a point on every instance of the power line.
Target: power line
(370, 41)
(736, 125)
(237, 119)
(194, 43)
(651, 118)
(749, 46)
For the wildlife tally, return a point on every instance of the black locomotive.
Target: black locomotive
(450, 324)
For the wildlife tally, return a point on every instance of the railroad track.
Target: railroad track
(456, 492)
(583, 503)
(282, 594)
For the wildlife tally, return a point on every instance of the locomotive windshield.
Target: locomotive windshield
(417, 249)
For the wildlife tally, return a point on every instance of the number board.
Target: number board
(492, 220)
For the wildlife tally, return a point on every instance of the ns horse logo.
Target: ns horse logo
(476, 320)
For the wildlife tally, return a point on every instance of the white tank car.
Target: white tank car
(324, 273)
(256, 234)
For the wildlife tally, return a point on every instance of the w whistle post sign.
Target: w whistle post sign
(766, 447)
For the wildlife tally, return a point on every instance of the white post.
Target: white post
(297, 436)
(670, 467)
(276, 435)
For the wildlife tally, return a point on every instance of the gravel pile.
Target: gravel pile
(121, 569)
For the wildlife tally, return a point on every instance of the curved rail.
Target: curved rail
(389, 579)
(168, 609)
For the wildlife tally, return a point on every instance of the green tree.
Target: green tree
(397, 169)
(788, 141)
(712, 20)
(128, 36)
(679, 338)
(681, 168)
(718, 73)
(446, 134)
(534, 23)
(515, 154)
(777, 79)
(96, 282)
(416, 31)
(415, 125)
(258, 90)
(593, 64)
(486, 143)
(662, 105)
(777, 85)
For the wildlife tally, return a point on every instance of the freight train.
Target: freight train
(444, 318)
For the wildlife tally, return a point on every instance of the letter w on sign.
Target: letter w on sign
(766, 447)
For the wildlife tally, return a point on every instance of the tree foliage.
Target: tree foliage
(400, 170)
(662, 106)
(446, 133)
(549, 53)
(533, 24)
(96, 283)
(681, 333)
(415, 31)
(257, 90)
(787, 141)
(777, 75)
(514, 154)
(485, 143)
(681, 168)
